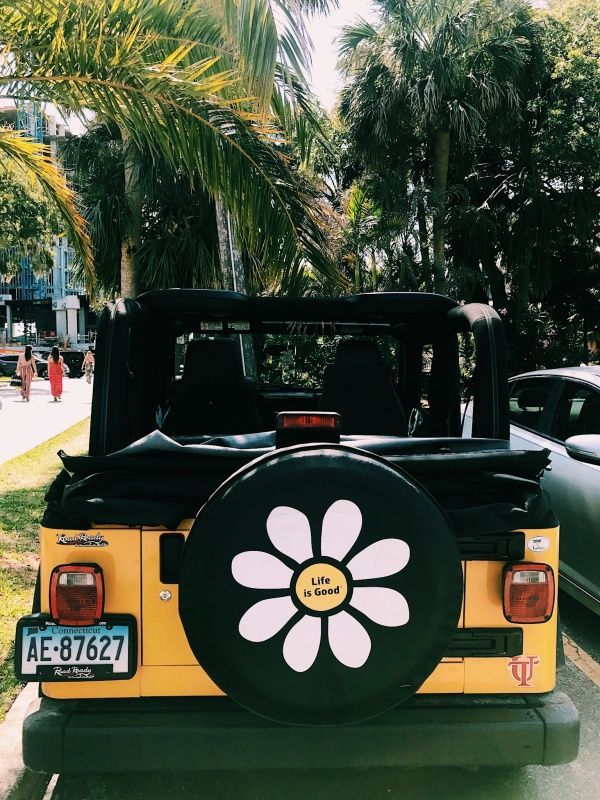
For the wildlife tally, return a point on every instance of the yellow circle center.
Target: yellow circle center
(321, 587)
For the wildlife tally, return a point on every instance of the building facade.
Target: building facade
(52, 307)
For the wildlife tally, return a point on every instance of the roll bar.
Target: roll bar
(490, 380)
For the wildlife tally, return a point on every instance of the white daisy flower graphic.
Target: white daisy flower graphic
(319, 586)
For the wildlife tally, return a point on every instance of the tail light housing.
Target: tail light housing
(76, 594)
(528, 595)
(297, 427)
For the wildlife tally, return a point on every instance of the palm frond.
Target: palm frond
(151, 68)
(36, 160)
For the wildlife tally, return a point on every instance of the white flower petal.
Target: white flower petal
(302, 644)
(266, 618)
(341, 525)
(289, 530)
(349, 641)
(258, 570)
(380, 559)
(384, 606)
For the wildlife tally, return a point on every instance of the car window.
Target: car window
(527, 401)
(578, 411)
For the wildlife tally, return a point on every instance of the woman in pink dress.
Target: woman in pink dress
(26, 369)
(55, 373)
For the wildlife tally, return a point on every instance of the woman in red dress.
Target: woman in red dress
(55, 373)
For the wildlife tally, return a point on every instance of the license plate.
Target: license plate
(46, 651)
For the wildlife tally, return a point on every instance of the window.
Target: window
(528, 398)
(578, 411)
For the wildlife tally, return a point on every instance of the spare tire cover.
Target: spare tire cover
(320, 585)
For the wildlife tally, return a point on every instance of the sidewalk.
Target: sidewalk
(25, 425)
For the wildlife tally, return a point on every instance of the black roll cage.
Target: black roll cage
(134, 350)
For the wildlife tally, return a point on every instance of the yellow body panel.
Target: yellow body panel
(447, 678)
(483, 609)
(120, 563)
(178, 682)
(165, 641)
(166, 664)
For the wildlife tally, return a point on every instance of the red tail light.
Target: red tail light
(528, 593)
(76, 594)
(296, 427)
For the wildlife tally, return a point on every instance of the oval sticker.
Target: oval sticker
(538, 544)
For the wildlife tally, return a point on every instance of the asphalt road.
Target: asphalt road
(579, 678)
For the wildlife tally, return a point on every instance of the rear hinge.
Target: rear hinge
(485, 643)
(492, 547)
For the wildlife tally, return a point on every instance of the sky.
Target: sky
(323, 31)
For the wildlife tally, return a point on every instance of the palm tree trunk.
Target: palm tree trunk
(234, 277)
(232, 267)
(441, 151)
(357, 275)
(424, 242)
(373, 272)
(133, 236)
(520, 292)
(495, 279)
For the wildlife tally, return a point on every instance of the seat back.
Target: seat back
(359, 387)
(589, 416)
(213, 395)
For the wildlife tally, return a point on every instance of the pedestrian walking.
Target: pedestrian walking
(26, 369)
(56, 369)
(88, 365)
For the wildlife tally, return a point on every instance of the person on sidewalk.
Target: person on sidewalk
(56, 368)
(26, 369)
(88, 365)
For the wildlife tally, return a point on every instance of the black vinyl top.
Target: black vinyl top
(377, 307)
(483, 485)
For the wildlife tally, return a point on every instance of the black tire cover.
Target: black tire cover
(320, 585)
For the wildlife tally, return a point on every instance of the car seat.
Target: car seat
(213, 395)
(359, 387)
(531, 401)
(589, 416)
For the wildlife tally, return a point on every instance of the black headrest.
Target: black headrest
(356, 354)
(212, 361)
(590, 411)
(532, 398)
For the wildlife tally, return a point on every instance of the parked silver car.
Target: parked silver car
(560, 409)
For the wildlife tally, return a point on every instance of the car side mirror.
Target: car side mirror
(584, 448)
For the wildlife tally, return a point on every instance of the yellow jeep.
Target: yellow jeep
(311, 569)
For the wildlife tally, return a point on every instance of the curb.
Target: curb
(16, 781)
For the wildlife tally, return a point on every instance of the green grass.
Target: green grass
(24, 483)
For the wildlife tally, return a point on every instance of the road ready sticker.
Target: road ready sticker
(82, 539)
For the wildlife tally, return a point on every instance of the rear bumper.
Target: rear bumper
(158, 734)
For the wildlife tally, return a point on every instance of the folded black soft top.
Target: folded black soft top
(157, 452)
(482, 484)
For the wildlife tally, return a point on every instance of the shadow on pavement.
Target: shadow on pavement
(421, 784)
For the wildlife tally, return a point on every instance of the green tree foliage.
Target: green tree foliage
(178, 244)
(28, 221)
(190, 84)
(522, 201)
(443, 69)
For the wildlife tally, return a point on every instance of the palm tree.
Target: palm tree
(446, 67)
(189, 83)
(34, 159)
